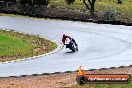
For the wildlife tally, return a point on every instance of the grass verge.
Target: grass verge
(14, 45)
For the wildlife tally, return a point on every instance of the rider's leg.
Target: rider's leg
(75, 44)
(74, 41)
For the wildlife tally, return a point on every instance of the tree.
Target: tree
(8, 0)
(41, 2)
(26, 2)
(89, 5)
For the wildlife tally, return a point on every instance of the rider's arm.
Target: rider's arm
(63, 40)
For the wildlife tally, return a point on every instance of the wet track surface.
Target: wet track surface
(100, 46)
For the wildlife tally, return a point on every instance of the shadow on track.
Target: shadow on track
(70, 52)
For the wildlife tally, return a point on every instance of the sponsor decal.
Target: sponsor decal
(83, 78)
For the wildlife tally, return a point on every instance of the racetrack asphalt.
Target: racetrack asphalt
(100, 46)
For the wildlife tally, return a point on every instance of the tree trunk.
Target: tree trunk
(92, 10)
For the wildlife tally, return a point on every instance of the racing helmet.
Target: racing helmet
(64, 35)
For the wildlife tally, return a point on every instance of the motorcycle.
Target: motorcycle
(71, 45)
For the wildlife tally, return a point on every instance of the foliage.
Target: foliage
(30, 2)
(70, 1)
(119, 1)
(35, 2)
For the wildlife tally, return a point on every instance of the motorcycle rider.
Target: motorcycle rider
(71, 39)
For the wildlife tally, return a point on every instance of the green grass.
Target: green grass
(129, 85)
(10, 45)
(14, 45)
(100, 5)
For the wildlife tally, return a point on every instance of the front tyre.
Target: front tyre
(73, 48)
(76, 48)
